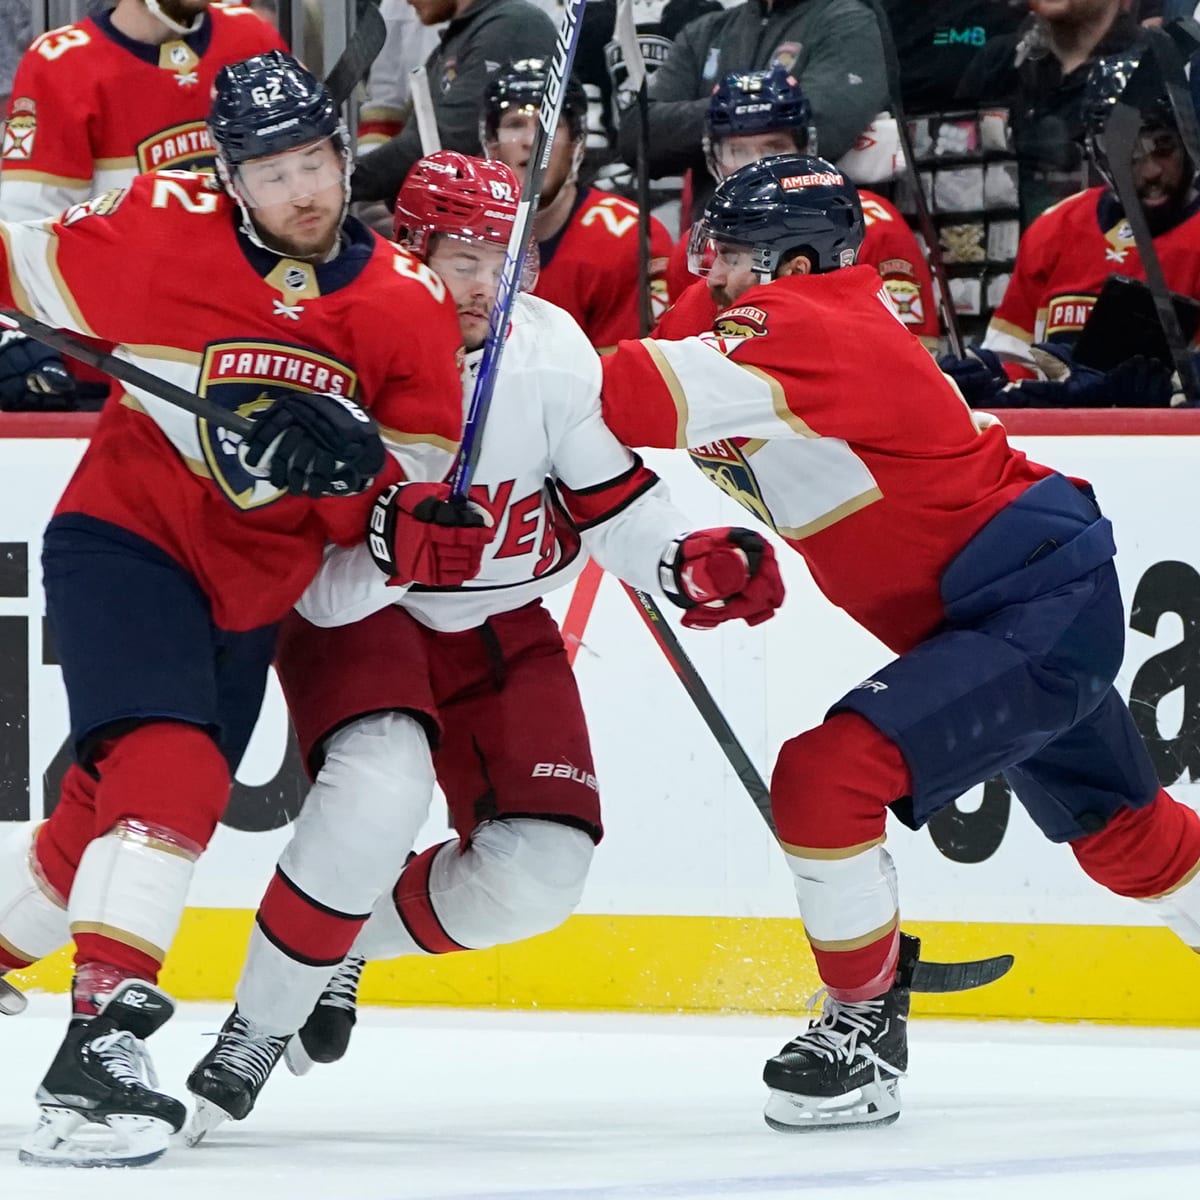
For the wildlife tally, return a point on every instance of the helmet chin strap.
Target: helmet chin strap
(154, 8)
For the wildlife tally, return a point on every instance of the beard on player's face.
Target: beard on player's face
(183, 11)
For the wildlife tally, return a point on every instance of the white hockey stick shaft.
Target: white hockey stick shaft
(422, 101)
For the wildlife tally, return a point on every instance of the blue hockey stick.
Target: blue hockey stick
(549, 111)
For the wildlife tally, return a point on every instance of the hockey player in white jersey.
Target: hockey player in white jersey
(389, 687)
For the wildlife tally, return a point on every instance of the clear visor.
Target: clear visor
(705, 252)
(731, 154)
(291, 176)
(473, 260)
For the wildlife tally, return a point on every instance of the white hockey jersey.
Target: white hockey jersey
(556, 481)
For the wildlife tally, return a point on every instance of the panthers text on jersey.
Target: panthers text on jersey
(810, 403)
(1063, 260)
(91, 108)
(590, 267)
(162, 270)
(557, 483)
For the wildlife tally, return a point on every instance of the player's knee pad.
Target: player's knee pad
(362, 814)
(167, 774)
(831, 785)
(33, 916)
(1144, 852)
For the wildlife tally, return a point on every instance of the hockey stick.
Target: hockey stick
(929, 977)
(423, 110)
(361, 50)
(12, 1001)
(126, 372)
(549, 112)
(625, 33)
(1121, 132)
(924, 219)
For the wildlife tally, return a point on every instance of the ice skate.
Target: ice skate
(843, 1072)
(325, 1036)
(99, 1106)
(11, 1000)
(227, 1080)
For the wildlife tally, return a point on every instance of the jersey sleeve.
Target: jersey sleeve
(47, 163)
(61, 271)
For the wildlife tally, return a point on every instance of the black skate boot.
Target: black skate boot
(325, 1036)
(843, 1072)
(227, 1080)
(102, 1075)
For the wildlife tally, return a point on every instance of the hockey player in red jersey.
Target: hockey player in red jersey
(757, 113)
(587, 239)
(177, 546)
(389, 687)
(1071, 249)
(989, 576)
(92, 104)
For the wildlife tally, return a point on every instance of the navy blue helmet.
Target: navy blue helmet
(759, 102)
(1106, 84)
(784, 204)
(519, 85)
(267, 105)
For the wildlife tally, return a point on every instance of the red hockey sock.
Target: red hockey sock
(1143, 852)
(415, 905)
(303, 928)
(62, 840)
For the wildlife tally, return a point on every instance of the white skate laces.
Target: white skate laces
(836, 1032)
(245, 1052)
(125, 1058)
(342, 991)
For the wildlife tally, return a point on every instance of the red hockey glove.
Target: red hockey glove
(417, 534)
(721, 574)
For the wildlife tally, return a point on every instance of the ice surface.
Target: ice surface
(461, 1105)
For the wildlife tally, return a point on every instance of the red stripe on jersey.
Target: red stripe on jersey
(593, 505)
(415, 906)
(303, 928)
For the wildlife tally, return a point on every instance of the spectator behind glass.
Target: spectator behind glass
(480, 35)
(15, 30)
(1040, 73)
(832, 47)
(1068, 252)
(93, 104)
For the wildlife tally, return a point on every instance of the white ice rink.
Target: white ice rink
(544, 1106)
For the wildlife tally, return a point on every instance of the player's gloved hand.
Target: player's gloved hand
(315, 445)
(33, 378)
(1139, 382)
(979, 374)
(721, 574)
(417, 534)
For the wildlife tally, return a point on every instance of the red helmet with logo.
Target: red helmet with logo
(455, 194)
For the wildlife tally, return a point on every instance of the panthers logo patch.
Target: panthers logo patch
(246, 378)
(726, 466)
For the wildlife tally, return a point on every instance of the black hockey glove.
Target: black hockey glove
(33, 378)
(315, 445)
(979, 374)
(1138, 382)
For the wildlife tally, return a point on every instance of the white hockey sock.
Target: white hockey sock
(517, 878)
(33, 919)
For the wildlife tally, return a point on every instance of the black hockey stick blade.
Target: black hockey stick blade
(1121, 132)
(11, 1001)
(361, 51)
(936, 978)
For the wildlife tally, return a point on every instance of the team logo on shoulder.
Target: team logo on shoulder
(246, 378)
(1067, 314)
(905, 296)
(186, 147)
(735, 326)
(725, 464)
(20, 130)
(103, 205)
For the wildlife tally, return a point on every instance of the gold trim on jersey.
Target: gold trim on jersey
(127, 162)
(1022, 335)
(779, 400)
(294, 280)
(16, 951)
(674, 387)
(165, 353)
(833, 516)
(842, 945)
(101, 929)
(19, 294)
(830, 853)
(1172, 890)
(64, 292)
(194, 465)
(12, 175)
(396, 437)
(159, 845)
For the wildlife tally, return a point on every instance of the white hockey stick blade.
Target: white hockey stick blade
(11, 1000)
(65, 1138)
(205, 1119)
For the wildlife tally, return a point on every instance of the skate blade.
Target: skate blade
(65, 1138)
(11, 1000)
(205, 1119)
(297, 1058)
(869, 1107)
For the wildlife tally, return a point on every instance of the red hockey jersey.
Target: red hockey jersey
(162, 270)
(591, 268)
(811, 405)
(91, 108)
(889, 246)
(1065, 257)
